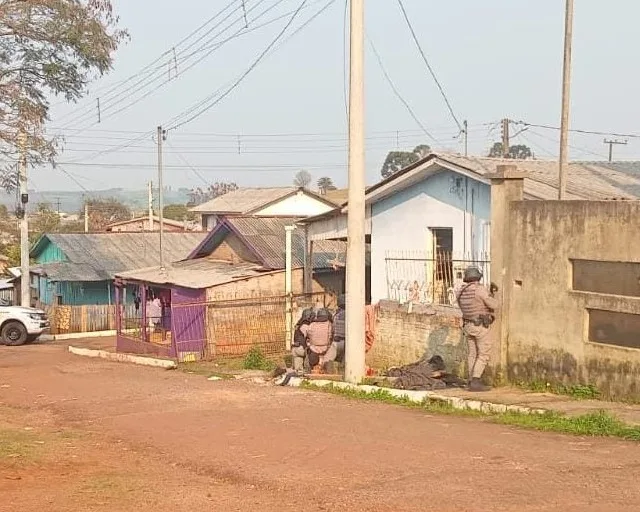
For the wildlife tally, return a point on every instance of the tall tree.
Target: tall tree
(325, 184)
(517, 152)
(302, 179)
(199, 195)
(103, 212)
(48, 48)
(398, 160)
(179, 212)
(45, 220)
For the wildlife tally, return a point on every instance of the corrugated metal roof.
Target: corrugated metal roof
(197, 274)
(99, 256)
(595, 181)
(243, 200)
(156, 220)
(266, 236)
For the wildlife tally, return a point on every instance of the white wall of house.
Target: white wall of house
(298, 205)
(400, 226)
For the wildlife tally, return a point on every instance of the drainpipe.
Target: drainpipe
(288, 284)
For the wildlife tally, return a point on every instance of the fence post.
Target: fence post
(83, 318)
(507, 185)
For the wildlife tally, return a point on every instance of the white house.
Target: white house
(264, 202)
(429, 221)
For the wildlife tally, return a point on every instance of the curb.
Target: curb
(124, 358)
(76, 335)
(421, 396)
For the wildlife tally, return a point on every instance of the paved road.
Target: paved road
(285, 449)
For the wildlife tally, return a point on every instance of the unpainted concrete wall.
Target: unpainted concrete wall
(403, 337)
(547, 321)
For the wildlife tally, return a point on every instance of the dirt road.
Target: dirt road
(80, 434)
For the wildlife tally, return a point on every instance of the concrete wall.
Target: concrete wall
(547, 320)
(401, 222)
(403, 337)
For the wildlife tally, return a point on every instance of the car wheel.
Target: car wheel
(14, 334)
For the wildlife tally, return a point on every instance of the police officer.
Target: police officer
(478, 307)
(339, 334)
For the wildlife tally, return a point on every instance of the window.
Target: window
(607, 277)
(614, 328)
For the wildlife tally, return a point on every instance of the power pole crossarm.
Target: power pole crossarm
(612, 143)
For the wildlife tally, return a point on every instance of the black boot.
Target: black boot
(476, 385)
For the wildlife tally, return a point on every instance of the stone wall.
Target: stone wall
(403, 337)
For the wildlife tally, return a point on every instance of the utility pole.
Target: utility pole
(58, 205)
(566, 95)
(505, 138)
(25, 273)
(86, 217)
(162, 136)
(614, 143)
(465, 132)
(151, 206)
(355, 277)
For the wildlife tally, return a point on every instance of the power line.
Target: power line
(257, 61)
(193, 169)
(584, 132)
(426, 61)
(397, 93)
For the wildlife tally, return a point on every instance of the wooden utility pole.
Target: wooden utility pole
(465, 132)
(566, 97)
(505, 138)
(25, 272)
(162, 136)
(355, 272)
(612, 143)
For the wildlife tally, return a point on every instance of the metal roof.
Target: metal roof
(99, 256)
(244, 200)
(197, 274)
(156, 220)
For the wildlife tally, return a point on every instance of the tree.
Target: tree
(179, 212)
(45, 220)
(198, 195)
(517, 152)
(103, 212)
(302, 179)
(398, 160)
(325, 184)
(48, 48)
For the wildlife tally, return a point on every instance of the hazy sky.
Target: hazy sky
(495, 58)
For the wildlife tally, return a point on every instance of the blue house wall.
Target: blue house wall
(400, 226)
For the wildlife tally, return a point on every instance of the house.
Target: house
(78, 269)
(141, 224)
(429, 221)
(242, 258)
(289, 202)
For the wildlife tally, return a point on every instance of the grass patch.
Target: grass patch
(577, 391)
(597, 424)
(256, 360)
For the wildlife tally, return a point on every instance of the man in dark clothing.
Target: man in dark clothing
(299, 345)
(339, 330)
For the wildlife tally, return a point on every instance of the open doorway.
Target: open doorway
(442, 272)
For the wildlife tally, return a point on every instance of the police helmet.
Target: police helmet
(323, 315)
(472, 274)
(308, 315)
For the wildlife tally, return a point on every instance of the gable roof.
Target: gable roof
(585, 181)
(156, 219)
(265, 238)
(246, 201)
(98, 256)
(338, 196)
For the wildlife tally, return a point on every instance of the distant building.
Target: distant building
(142, 224)
(263, 202)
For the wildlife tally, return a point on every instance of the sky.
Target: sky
(494, 59)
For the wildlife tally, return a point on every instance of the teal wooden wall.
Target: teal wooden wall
(50, 253)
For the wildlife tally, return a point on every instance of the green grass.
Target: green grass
(256, 360)
(597, 424)
(577, 391)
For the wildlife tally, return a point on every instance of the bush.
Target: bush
(256, 360)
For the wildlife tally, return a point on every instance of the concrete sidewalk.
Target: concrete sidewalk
(563, 404)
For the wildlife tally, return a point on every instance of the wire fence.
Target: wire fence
(430, 279)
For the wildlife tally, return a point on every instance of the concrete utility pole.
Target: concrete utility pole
(566, 97)
(614, 143)
(162, 136)
(25, 279)
(86, 217)
(505, 138)
(150, 205)
(355, 285)
(288, 284)
(465, 124)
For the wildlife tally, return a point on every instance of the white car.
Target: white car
(20, 325)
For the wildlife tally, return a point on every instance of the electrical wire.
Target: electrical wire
(397, 93)
(426, 61)
(584, 132)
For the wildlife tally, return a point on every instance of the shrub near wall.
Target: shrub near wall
(403, 337)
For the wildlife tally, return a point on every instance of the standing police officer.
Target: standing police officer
(478, 307)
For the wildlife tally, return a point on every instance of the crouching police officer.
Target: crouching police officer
(478, 307)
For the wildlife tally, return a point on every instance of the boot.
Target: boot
(476, 385)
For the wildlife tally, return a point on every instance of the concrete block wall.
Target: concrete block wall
(403, 337)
